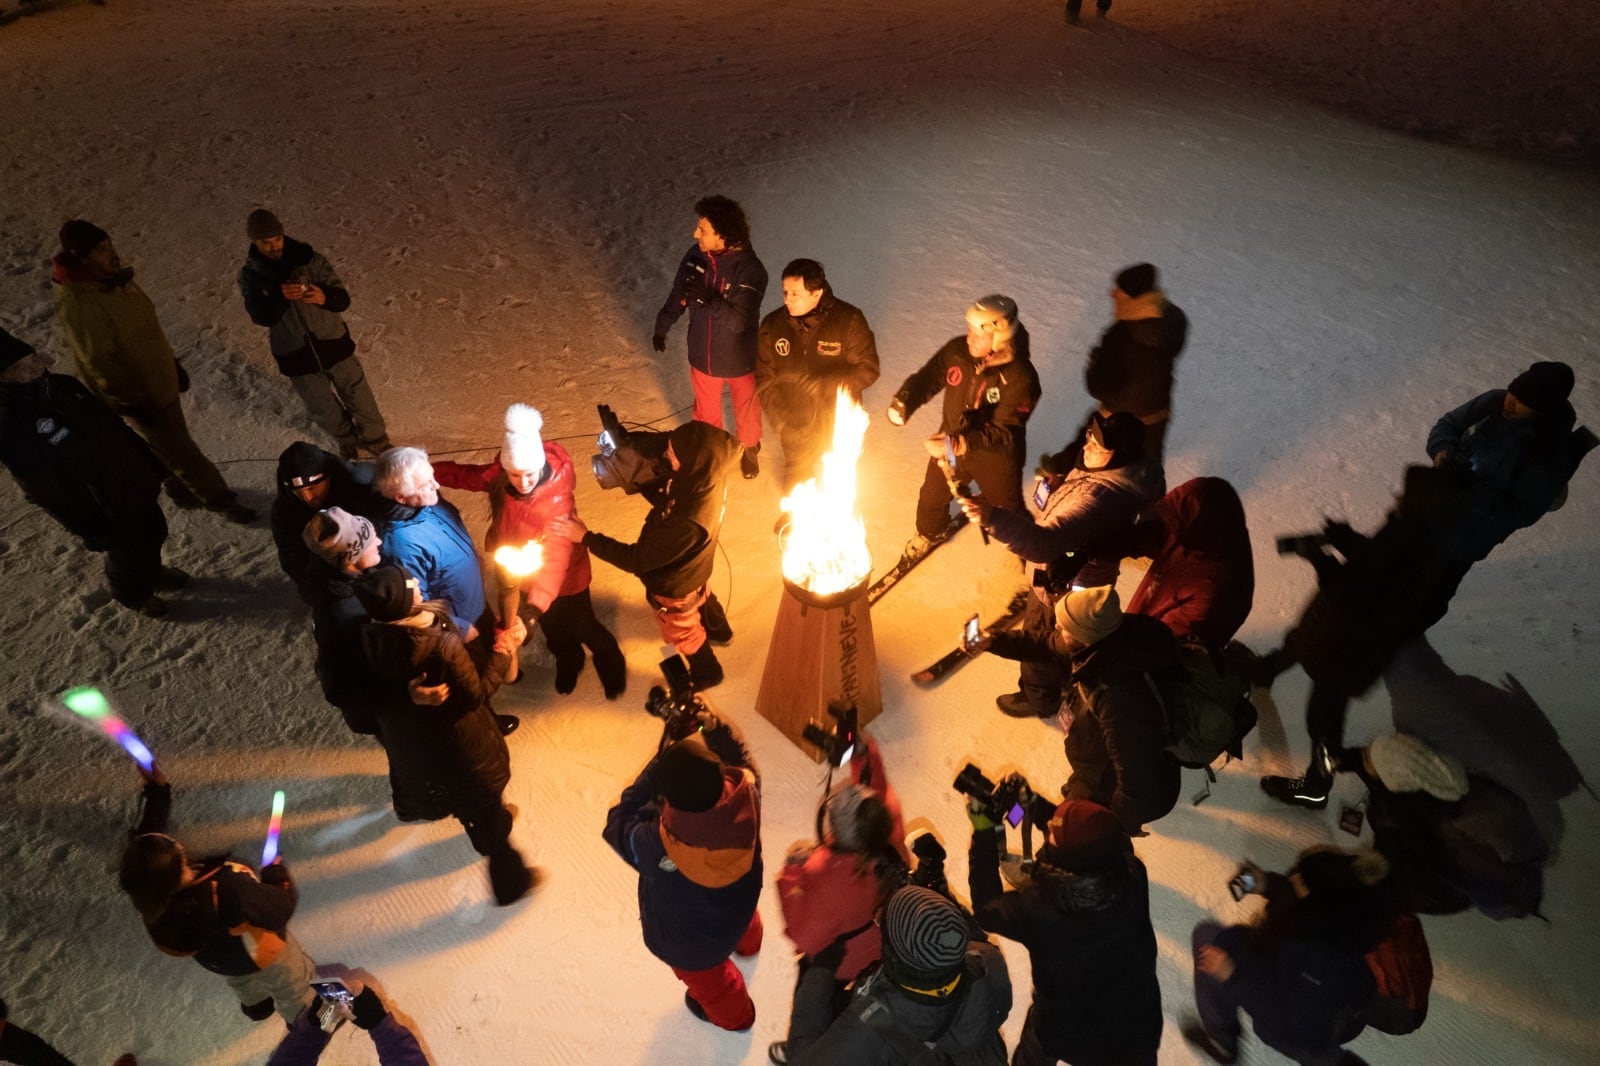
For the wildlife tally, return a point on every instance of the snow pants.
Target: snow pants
(679, 620)
(746, 404)
(341, 403)
(1040, 682)
(167, 433)
(1030, 1052)
(720, 990)
(287, 982)
(999, 481)
(568, 625)
(133, 551)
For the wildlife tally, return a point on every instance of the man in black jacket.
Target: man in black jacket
(811, 347)
(1085, 919)
(990, 388)
(84, 467)
(291, 289)
(1131, 368)
(678, 543)
(311, 480)
(720, 282)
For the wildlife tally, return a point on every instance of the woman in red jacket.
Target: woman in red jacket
(530, 483)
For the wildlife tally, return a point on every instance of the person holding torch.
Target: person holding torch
(543, 579)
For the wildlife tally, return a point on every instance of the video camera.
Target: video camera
(677, 705)
(1012, 798)
(838, 744)
(929, 871)
(621, 463)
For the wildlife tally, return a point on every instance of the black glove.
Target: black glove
(698, 291)
(368, 1009)
(276, 874)
(259, 1011)
(183, 376)
(659, 342)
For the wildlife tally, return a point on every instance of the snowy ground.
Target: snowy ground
(506, 187)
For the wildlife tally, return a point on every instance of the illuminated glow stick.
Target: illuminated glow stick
(89, 704)
(269, 851)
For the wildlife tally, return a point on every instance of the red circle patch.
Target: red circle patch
(952, 377)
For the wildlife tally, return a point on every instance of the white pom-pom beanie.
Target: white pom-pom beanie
(523, 449)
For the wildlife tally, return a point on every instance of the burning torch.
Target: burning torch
(958, 491)
(516, 563)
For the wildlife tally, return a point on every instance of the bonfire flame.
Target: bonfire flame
(826, 547)
(520, 561)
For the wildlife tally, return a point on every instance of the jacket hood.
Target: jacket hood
(66, 270)
(717, 847)
(1204, 515)
(705, 456)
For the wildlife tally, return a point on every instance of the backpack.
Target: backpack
(1402, 970)
(1208, 707)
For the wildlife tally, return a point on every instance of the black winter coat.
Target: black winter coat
(1131, 368)
(446, 759)
(987, 406)
(801, 362)
(75, 459)
(352, 490)
(1092, 949)
(722, 331)
(346, 676)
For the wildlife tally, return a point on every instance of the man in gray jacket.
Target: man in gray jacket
(291, 289)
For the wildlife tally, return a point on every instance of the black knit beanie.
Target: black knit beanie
(689, 776)
(385, 592)
(79, 238)
(303, 464)
(1137, 279)
(1543, 386)
(1121, 434)
(262, 224)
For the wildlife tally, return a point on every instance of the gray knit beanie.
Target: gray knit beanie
(926, 937)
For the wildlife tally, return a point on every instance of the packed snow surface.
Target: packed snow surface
(506, 188)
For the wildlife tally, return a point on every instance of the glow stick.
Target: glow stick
(89, 704)
(269, 851)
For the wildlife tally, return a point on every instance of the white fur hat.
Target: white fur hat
(523, 449)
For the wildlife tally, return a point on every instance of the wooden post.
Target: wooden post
(819, 655)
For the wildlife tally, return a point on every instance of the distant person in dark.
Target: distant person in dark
(989, 389)
(720, 283)
(530, 483)
(690, 824)
(80, 464)
(1131, 368)
(450, 760)
(1301, 972)
(677, 544)
(125, 359)
(218, 912)
(941, 993)
(1084, 917)
(810, 348)
(311, 480)
(292, 290)
(1089, 505)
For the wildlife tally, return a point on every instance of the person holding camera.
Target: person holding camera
(720, 282)
(309, 1035)
(449, 759)
(941, 993)
(291, 289)
(833, 890)
(990, 389)
(1117, 742)
(216, 911)
(684, 474)
(1080, 506)
(690, 824)
(84, 467)
(1300, 971)
(1084, 917)
(124, 358)
(530, 483)
(812, 346)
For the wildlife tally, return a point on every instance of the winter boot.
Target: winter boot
(508, 723)
(1309, 790)
(1015, 705)
(1213, 1047)
(180, 495)
(509, 876)
(613, 670)
(704, 670)
(171, 579)
(749, 465)
(715, 619)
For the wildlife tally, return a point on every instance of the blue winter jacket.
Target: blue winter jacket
(433, 544)
(723, 330)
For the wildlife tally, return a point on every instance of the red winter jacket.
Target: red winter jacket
(515, 519)
(1202, 574)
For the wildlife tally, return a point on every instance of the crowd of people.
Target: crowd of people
(415, 631)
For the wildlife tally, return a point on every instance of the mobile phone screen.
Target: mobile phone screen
(1041, 492)
(970, 633)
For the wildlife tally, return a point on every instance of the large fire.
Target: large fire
(825, 548)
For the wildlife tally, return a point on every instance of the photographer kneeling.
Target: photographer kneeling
(1085, 919)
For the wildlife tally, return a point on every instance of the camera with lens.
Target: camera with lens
(678, 705)
(626, 461)
(1013, 798)
(1301, 543)
(929, 871)
(839, 743)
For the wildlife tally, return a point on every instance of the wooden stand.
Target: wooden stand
(819, 655)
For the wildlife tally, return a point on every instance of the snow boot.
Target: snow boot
(1310, 789)
(1015, 705)
(613, 670)
(715, 619)
(749, 465)
(509, 876)
(704, 670)
(508, 723)
(1214, 1048)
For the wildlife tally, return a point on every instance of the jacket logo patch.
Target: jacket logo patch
(45, 426)
(830, 347)
(992, 395)
(781, 346)
(667, 864)
(952, 377)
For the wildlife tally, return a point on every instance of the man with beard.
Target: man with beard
(291, 289)
(810, 348)
(125, 359)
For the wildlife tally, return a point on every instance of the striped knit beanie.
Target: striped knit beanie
(925, 937)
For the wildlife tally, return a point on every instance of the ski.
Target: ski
(892, 576)
(951, 661)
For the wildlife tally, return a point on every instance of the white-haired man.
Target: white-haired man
(425, 534)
